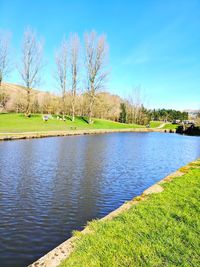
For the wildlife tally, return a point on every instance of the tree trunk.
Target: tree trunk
(28, 102)
(63, 104)
(73, 111)
(90, 110)
(73, 102)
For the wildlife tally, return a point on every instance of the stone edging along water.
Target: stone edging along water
(30, 135)
(63, 251)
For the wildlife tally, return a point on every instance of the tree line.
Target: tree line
(169, 115)
(67, 67)
(81, 72)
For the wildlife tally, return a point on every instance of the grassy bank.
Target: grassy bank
(167, 126)
(154, 124)
(170, 126)
(161, 230)
(17, 123)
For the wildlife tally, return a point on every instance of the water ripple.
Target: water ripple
(49, 187)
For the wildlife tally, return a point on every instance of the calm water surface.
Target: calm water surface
(49, 187)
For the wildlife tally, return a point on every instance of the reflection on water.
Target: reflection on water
(49, 187)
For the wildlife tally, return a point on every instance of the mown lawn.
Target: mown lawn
(15, 123)
(170, 126)
(162, 230)
(154, 124)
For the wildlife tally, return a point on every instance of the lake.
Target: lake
(51, 186)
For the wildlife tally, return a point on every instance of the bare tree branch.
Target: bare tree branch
(74, 44)
(61, 71)
(96, 50)
(4, 54)
(31, 63)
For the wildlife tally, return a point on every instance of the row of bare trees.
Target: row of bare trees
(80, 72)
(70, 68)
(107, 106)
(67, 58)
(4, 55)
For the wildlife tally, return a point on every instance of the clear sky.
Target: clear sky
(154, 44)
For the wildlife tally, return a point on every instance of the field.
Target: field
(154, 124)
(16, 123)
(162, 230)
(170, 126)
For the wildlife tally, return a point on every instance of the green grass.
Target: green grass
(170, 126)
(161, 231)
(154, 124)
(16, 123)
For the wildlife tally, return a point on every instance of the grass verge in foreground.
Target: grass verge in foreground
(162, 230)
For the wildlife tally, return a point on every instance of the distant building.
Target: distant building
(176, 121)
(189, 122)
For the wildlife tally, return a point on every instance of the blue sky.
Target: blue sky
(154, 44)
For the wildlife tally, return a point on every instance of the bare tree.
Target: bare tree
(74, 63)
(4, 54)
(31, 63)
(136, 111)
(61, 72)
(95, 59)
(135, 100)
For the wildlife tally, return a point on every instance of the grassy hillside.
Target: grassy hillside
(15, 123)
(17, 94)
(163, 230)
(15, 89)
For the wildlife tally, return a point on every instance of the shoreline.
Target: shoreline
(31, 135)
(54, 257)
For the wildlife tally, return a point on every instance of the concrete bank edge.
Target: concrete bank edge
(30, 135)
